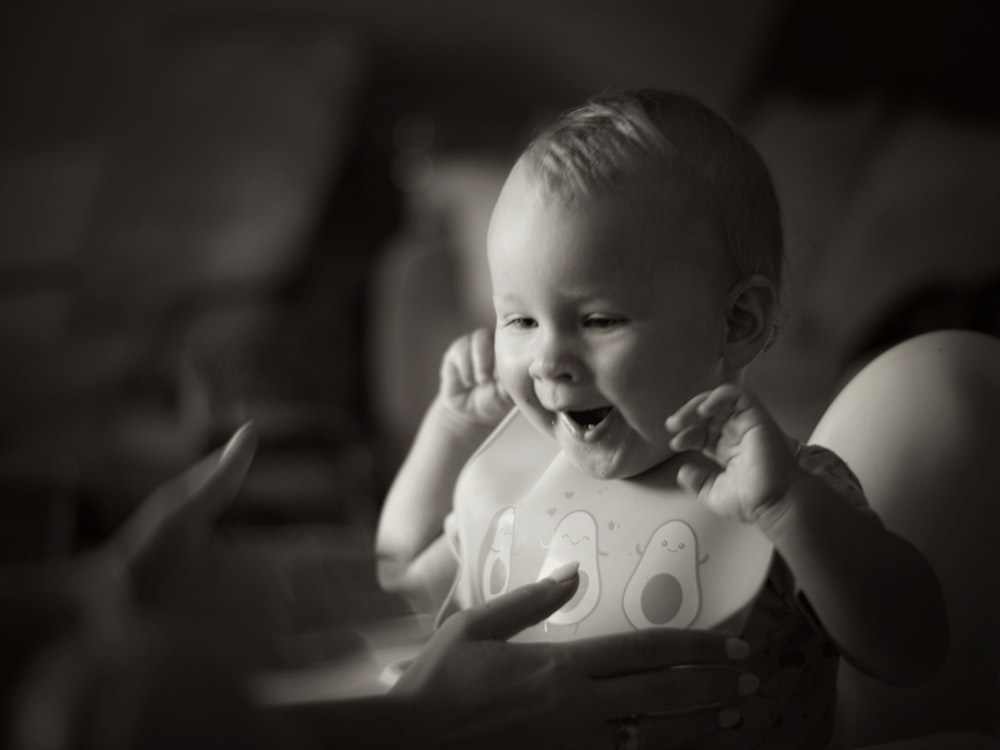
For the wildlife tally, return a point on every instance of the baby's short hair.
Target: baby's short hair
(613, 138)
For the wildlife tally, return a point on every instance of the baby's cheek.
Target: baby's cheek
(646, 399)
(513, 375)
(507, 378)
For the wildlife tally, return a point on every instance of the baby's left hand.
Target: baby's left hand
(751, 460)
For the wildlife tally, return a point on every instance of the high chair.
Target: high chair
(919, 426)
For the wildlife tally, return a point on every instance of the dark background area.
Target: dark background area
(209, 212)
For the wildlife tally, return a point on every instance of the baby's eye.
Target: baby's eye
(602, 321)
(681, 545)
(519, 321)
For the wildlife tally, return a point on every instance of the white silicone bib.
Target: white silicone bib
(649, 555)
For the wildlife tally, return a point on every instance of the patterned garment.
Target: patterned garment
(795, 660)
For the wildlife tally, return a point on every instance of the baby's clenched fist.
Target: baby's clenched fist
(470, 391)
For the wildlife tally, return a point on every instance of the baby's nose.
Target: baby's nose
(555, 360)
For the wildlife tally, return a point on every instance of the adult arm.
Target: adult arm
(471, 687)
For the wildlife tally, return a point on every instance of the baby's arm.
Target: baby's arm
(873, 592)
(413, 556)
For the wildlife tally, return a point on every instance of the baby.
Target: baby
(635, 253)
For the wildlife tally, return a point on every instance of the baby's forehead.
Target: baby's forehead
(649, 219)
(672, 219)
(656, 188)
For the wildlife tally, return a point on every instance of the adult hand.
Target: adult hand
(169, 531)
(76, 647)
(473, 688)
(276, 598)
(95, 591)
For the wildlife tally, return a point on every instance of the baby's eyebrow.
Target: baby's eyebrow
(508, 297)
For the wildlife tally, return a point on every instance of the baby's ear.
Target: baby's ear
(750, 314)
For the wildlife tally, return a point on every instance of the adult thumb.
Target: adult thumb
(510, 613)
(191, 500)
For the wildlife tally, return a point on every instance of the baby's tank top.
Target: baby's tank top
(649, 554)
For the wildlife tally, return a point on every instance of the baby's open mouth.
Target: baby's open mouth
(589, 418)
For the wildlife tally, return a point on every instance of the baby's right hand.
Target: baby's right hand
(470, 390)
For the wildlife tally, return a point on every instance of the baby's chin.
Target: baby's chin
(619, 466)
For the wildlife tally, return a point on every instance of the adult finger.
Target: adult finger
(682, 730)
(509, 614)
(655, 648)
(672, 689)
(198, 495)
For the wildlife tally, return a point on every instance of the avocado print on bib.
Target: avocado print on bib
(496, 552)
(664, 590)
(575, 540)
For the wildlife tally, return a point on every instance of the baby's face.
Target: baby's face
(610, 315)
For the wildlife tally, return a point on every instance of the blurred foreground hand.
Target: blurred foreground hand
(169, 603)
(276, 596)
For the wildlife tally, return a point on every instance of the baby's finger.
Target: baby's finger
(693, 438)
(482, 355)
(451, 381)
(463, 362)
(697, 478)
(456, 367)
(687, 414)
(502, 393)
(724, 401)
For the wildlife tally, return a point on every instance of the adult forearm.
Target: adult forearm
(371, 723)
(875, 594)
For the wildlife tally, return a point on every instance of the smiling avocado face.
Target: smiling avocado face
(575, 539)
(664, 590)
(494, 576)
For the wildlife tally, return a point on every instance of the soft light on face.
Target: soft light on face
(610, 315)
